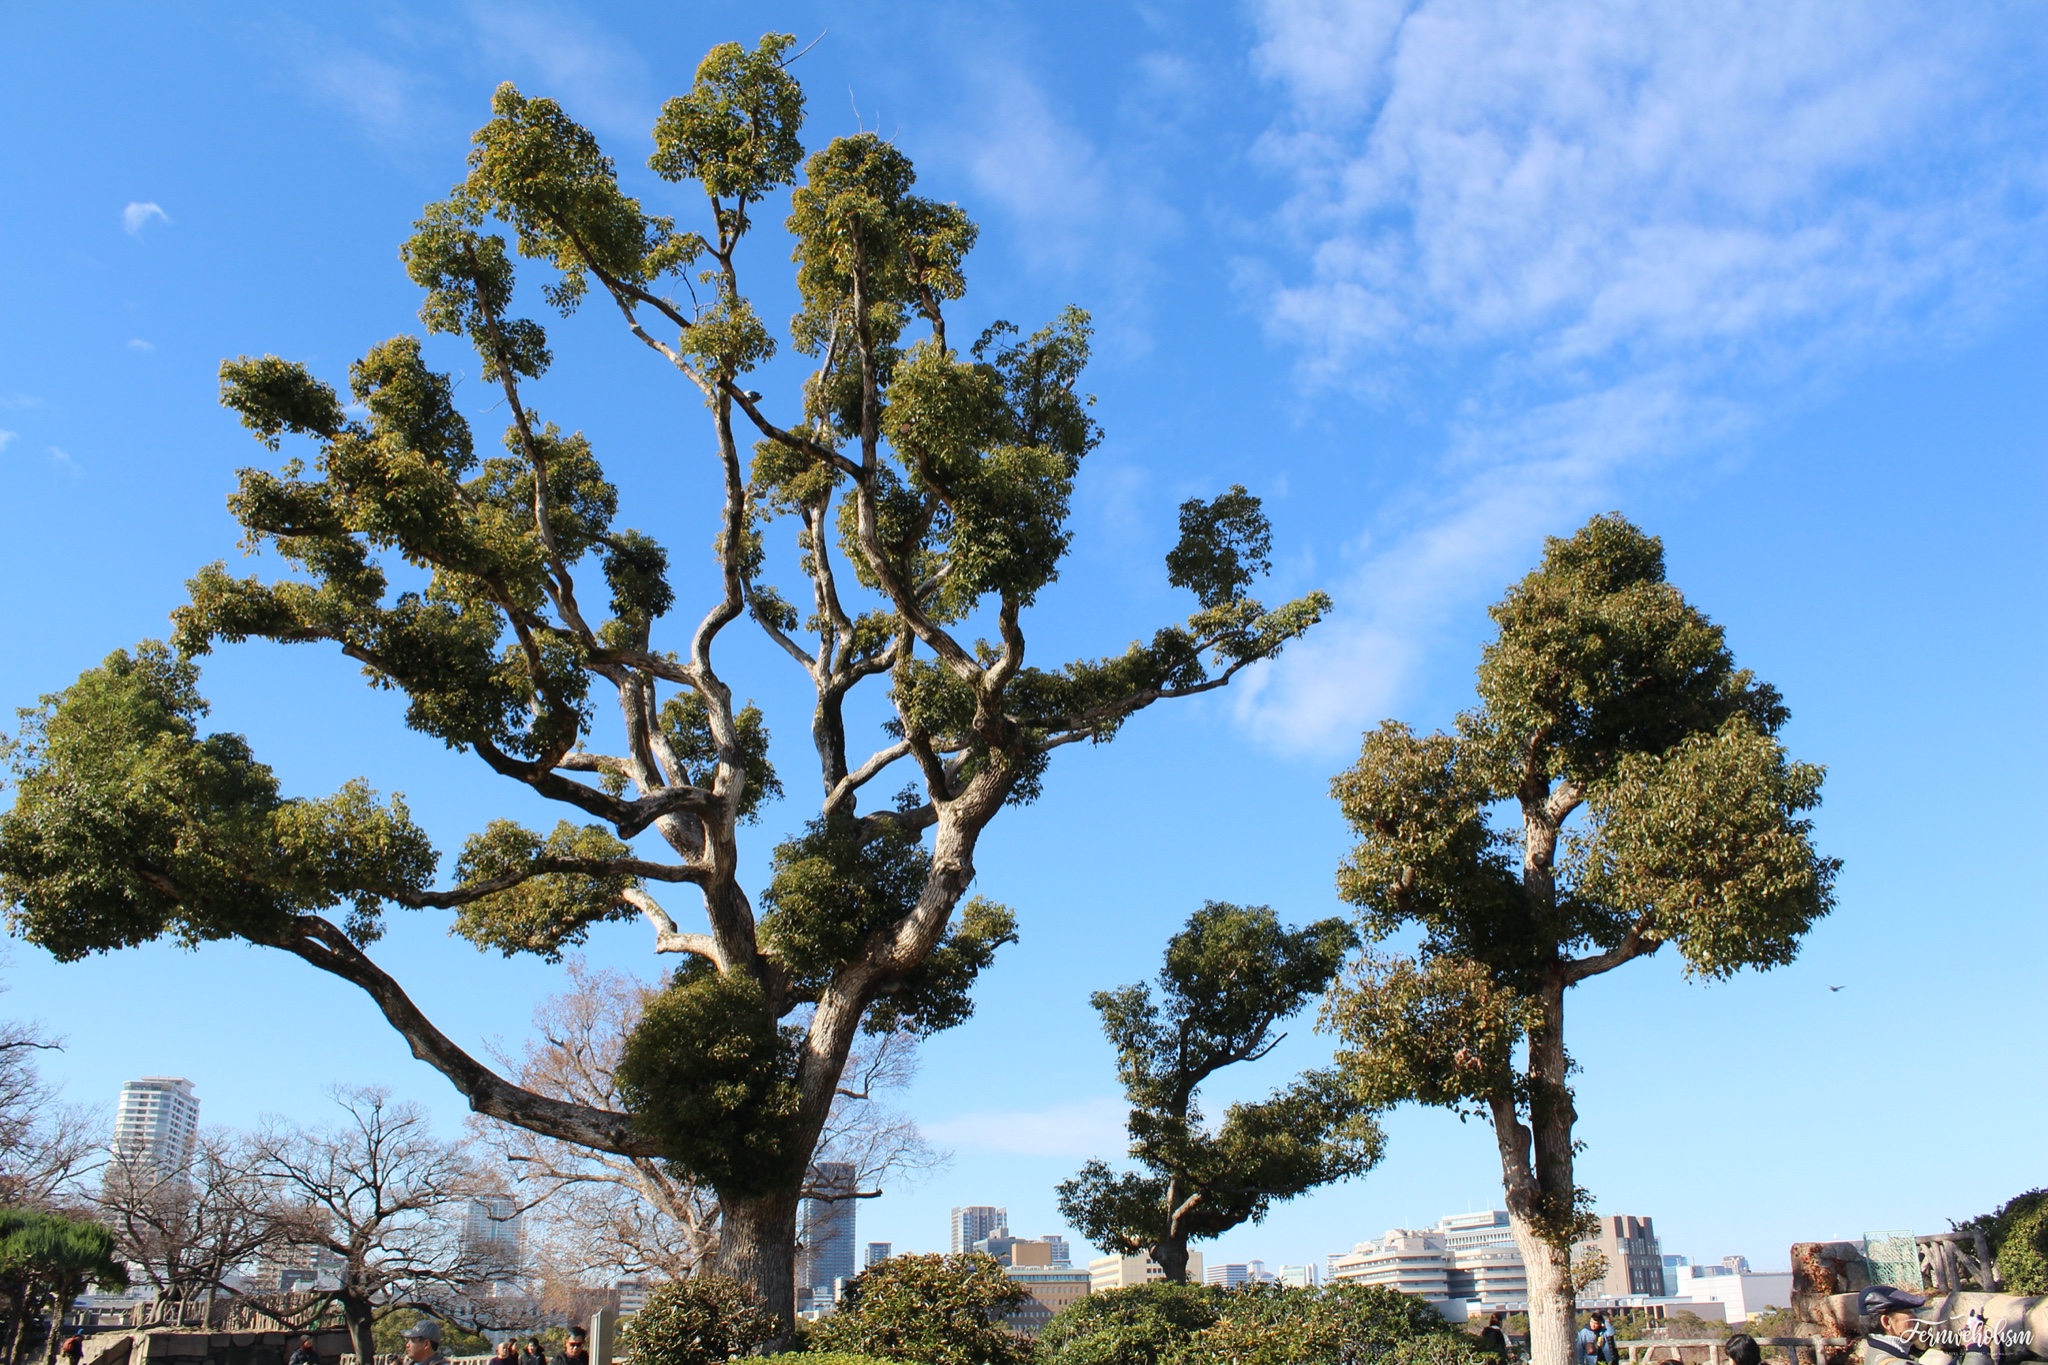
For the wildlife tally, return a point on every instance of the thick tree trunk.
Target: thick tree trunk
(1172, 1256)
(1552, 1315)
(757, 1247)
(362, 1323)
(1537, 1175)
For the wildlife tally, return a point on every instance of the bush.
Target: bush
(824, 1358)
(935, 1310)
(1344, 1324)
(1135, 1326)
(2019, 1243)
(704, 1320)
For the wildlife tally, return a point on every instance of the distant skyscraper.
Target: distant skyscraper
(490, 1236)
(155, 1125)
(878, 1252)
(975, 1222)
(1060, 1254)
(828, 1228)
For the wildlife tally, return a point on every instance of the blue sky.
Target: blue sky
(1434, 279)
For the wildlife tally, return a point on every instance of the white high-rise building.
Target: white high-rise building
(977, 1222)
(490, 1236)
(1237, 1273)
(155, 1125)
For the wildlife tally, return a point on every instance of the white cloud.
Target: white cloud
(382, 97)
(138, 215)
(138, 344)
(11, 402)
(1633, 225)
(62, 459)
(600, 80)
(1082, 1128)
(6, 437)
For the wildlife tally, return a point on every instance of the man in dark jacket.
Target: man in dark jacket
(574, 1352)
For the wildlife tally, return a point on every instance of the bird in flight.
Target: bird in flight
(1834, 988)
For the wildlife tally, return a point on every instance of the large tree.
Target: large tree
(1231, 977)
(927, 487)
(1620, 786)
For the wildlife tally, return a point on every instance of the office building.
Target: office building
(1671, 1265)
(1299, 1276)
(1635, 1263)
(1122, 1272)
(878, 1252)
(490, 1237)
(1407, 1260)
(977, 1221)
(1237, 1273)
(1052, 1288)
(1060, 1254)
(632, 1293)
(155, 1126)
(827, 1254)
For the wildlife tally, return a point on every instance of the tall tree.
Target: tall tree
(1231, 978)
(45, 1144)
(46, 1261)
(927, 489)
(186, 1227)
(1619, 786)
(384, 1198)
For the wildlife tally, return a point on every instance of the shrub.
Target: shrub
(704, 1320)
(823, 1358)
(1344, 1324)
(935, 1310)
(1135, 1326)
(2019, 1242)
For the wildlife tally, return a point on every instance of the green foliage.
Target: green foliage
(1230, 977)
(711, 1080)
(2018, 1233)
(127, 825)
(1141, 1325)
(823, 1358)
(539, 914)
(934, 995)
(935, 1310)
(1605, 684)
(686, 724)
(1224, 544)
(1344, 1324)
(50, 1256)
(703, 1320)
(389, 1329)
(736, 131)
(834, 886)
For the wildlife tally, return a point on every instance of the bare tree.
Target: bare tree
(186, 1228)
(46, 1146)
(382, 1194)
(597, 1214)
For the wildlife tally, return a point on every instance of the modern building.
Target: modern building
(1122, 1272)
(632, 1293)
(1408, 1260)
(1635, 1263)
(878, 1252)
(155, 1126)
(976, 1221)
(1481, 1261)
(1671, 1265)
(490, 1237)
(1010, 1250)
(1052, 1288)
(825, 1255)
(1299, 1276)
(1742, 1294)
(1237, 1273)
(1060, 1253)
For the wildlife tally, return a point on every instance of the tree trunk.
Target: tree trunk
(1552, 1325)
(355, 1311)
(1172, 1257)
(757, 1247)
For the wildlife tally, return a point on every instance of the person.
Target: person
(1493, 1338)
(1741, 1349)
(1898, 1323)
(507, 1352)
(1588, 1343)
(573, 1351)
(423, 1343)
(73, 1349)
(306, 1354)
(1607, 1350)
(534, 1354)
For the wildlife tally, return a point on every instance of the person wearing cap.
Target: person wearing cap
(423, 1343)
(307, 1354)
(1898, 1323)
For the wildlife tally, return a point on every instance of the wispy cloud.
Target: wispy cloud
(62, 459)
(138, 344)
(1083, 1128)
(1634, 226)
(139, 215)
(6, 438)
(598, 77)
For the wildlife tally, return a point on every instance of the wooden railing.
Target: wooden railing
(1791, 1346)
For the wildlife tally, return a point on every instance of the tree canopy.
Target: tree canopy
(924, 490)
(1230, 978)
(1620, 786)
